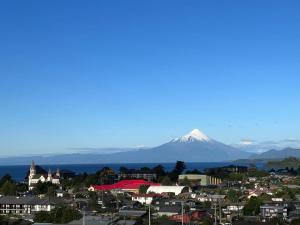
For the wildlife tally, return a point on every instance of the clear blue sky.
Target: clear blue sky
(127, 73)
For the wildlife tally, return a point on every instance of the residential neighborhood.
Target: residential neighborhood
(225, 195)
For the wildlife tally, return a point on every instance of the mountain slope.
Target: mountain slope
(278, 154)
(192, 147)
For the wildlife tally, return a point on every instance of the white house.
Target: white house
(145, 199)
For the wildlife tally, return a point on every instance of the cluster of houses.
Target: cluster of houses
(167, 200)
(27, 204)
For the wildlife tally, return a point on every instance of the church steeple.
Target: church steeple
(57, 173)
(32, 171)
(49, 175)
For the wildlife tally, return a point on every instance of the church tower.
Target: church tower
(32, 170)
(57, 173)
(32, 173)
(49, 178)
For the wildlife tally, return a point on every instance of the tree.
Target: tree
(233, 196)
(252, 207)
(194, 171)
(123, 169)
(5, 178)
(143, 189)
(160, 171)
(207, 221)
(62, 214)
(106, 176)
(295, 222)
(179, 167)
(145, 169)
(42, 217)
(186, 182)
(166, 180)
(9, 188)
(45, 188)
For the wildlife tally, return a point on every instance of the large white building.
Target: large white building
(34, 177)
(168, 189)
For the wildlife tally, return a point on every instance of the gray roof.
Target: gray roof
(170, 208)
(30, 200)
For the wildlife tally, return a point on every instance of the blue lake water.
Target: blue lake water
(18, 172)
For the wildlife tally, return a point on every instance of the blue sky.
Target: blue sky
(80, 74)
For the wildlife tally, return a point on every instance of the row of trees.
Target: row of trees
(62, 214)
(5, 220)
(9, 187)
(108, 176)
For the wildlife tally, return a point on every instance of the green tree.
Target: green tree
(62, 214)
(236, 176)
(186, 182)
(179, 167)
(252, 207)
(45, 188)
(207, 221)
(9, 188)
(143, 189)
(42, 217)
(233, 196)
(5, 178)
(160, 171)
(166, 180)
(295, 222)
(106, 176)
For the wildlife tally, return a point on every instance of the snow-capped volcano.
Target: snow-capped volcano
(194, 135)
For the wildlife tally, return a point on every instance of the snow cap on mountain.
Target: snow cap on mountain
(194, 135)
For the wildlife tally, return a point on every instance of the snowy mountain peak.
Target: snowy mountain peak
(194, 135)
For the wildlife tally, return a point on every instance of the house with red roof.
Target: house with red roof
(123, 185)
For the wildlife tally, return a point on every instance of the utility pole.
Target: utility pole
(149, 214)
(181, 213)
(220, 212)
(215, 204)
(83, 219)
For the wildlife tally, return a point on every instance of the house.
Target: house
(188, 217)
(210, 198)
(170, 207)
(234, 208)
(168, 210)
(124, 185)
(27, 204)
(274, 210)
(200, 179)
(60, 193)
(144, 198)
(176, 190)
(294, 213)
(34, 177)
(148, 175)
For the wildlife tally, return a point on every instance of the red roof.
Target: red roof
(124, 184)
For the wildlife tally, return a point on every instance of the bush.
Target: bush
(62, 215)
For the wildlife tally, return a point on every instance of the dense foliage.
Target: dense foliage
(63, 214)
(252, 207)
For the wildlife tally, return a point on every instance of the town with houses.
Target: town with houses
(226, 195)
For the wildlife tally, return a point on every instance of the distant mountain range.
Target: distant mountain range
(278, 154)
(192, 147)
